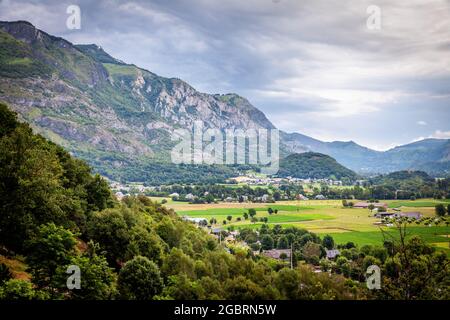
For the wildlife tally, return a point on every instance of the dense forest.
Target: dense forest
(55, 214)
(314, 165)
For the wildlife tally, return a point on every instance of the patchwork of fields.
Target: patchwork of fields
(322, 217)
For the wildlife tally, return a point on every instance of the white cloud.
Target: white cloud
(438, 134)
(422, 123)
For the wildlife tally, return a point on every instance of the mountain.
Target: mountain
(314, 165)
(115, 115)
(349, 153)
(120, 118)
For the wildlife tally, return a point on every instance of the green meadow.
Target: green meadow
(322, 217)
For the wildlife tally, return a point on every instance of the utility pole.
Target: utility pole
(292, 264)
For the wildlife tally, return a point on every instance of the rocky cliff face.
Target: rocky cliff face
(82, 98)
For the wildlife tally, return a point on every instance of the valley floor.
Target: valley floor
(322, 217)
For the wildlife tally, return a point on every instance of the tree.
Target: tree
(177, 262)
(29, 199)
(287, 281)
(283, 242)
(52, 247)
(344, 203)
(242, 288)
(15, 289)
(245, 215)
(181, 287)
(139, 279)
(144, 243)
(169, 232)
(414, 270)
(267, 242)
(8, 120)
(277, 196)
(252, 212)
(97, 278)
(328, 242)
(270, 210)
(311, 251)
(98, 194)
(440, 210)
(229, 218)
(110, 229)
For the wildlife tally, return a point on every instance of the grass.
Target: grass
(321, 217)
(116, 69)
(297, 217)
(433, 235)
(416, 203)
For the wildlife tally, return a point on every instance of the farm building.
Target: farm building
(366, 205)
(383, 214)
(277, 253)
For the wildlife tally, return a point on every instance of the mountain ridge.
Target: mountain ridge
(107, 111)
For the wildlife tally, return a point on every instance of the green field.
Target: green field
(429, 234)
(416, 203)
(322, 217)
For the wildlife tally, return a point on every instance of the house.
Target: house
(276, 253)
(365, 205)
(174, 195)
(320, 197)
(414, 215)
(190, 196)
(302, 197)
(383, 214)
(333, 253)
(229, 199)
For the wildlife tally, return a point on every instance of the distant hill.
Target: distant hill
(403, 179)
(430, 155)
(314, 165)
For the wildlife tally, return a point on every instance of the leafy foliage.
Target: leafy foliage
(314, 165)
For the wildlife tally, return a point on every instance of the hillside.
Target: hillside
(55, 215)
(314, 165)
(120, 118)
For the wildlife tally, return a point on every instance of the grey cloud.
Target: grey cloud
(295, 60)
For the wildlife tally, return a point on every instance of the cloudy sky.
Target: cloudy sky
(313, 67)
